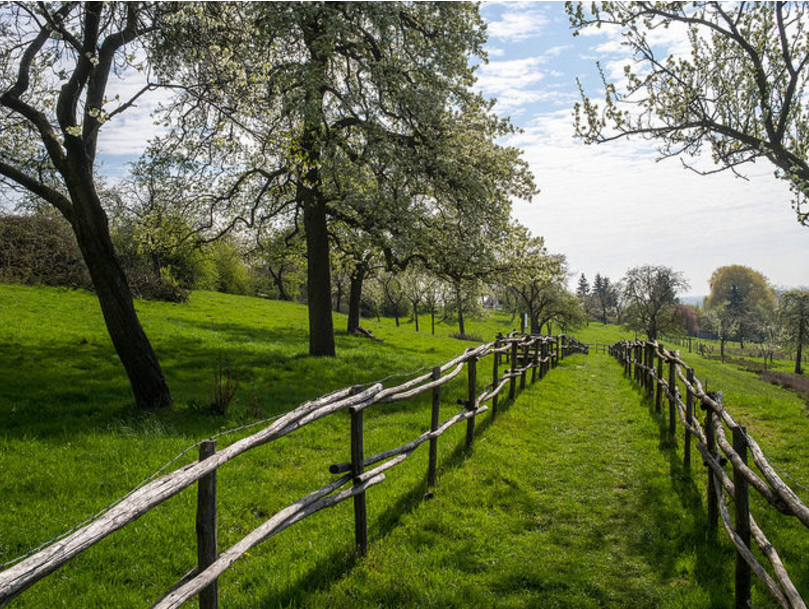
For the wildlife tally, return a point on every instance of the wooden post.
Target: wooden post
(558, 351)
(741, 501)
(495, 375)
(512, 387)
(689, 417)
(636, 357)
(649, 376)
(535, 361)
(207, 537)
(543, 366)
(524, 364)
(472, 378)
(710, 438)
(433, 426)
(357, 468)
(673, 395)
(659, 394)
(627, 364)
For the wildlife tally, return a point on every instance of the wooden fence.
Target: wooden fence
(520, 354)
(645, 361)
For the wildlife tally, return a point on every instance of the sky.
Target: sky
(607, 207)
(610, 207)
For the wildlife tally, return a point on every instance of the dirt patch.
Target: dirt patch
(788, 381)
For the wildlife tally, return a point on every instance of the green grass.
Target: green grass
(573, 497)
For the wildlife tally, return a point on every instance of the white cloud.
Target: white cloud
(520, 21)
(611, 207)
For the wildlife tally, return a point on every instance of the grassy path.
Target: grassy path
(578, 501)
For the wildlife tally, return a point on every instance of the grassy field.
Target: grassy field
(572, 498)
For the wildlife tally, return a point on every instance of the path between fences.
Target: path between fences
(585, 503)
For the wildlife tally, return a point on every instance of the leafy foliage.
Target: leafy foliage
(738, 87)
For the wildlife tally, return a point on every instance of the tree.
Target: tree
(745, 294)
(723, 322)
(583, 288)
(604, 294)
(793, 319)
(55, 64)
(651, 298)
(739, 89)
(316, 88)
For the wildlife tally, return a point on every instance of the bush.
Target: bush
(40, 249)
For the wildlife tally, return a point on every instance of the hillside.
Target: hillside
(572, 498)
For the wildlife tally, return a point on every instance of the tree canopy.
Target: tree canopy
(737, 87)
(651, 299)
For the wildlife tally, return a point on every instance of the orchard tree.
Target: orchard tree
(793, 319)
(746, 296)
(722, 320)
(56, 60)
(307, 87)
(739, 88)
(533, 279)
(604, 293)
(650, 293)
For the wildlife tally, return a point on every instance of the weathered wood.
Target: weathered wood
(512, 388)
(472, 395)
(673, 398)
(357, 467)
(713, 514)
(296, 512)
(433, 463)
(741, 502)
(403, 395)
(25, 573)
(745, 551)
(659, 392)
(524, 372)
(495, 376)
(689, 418)
(207, 535)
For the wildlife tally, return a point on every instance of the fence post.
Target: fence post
(659, 393)
(472, 394)
(741, 501)
(543, 354)
(524, 372)
(636, 357)
(512, 386)
(673, 394)
(558, 351)
(535, 361)
(495, 375)
(357, 468)
(689, 417)
(627, 364)
(207, 537)
(433, 426)
(710, 439)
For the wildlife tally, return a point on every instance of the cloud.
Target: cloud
(611, 207)
(519, 21)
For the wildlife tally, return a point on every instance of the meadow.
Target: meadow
(573, 497)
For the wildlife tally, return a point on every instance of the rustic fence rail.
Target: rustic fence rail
(522, 353)
(645, 361)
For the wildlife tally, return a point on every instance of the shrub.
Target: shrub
(40, 249)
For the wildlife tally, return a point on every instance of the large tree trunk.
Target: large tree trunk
(133, 347)
(355, 298)
(318, 272)
(459, 303)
